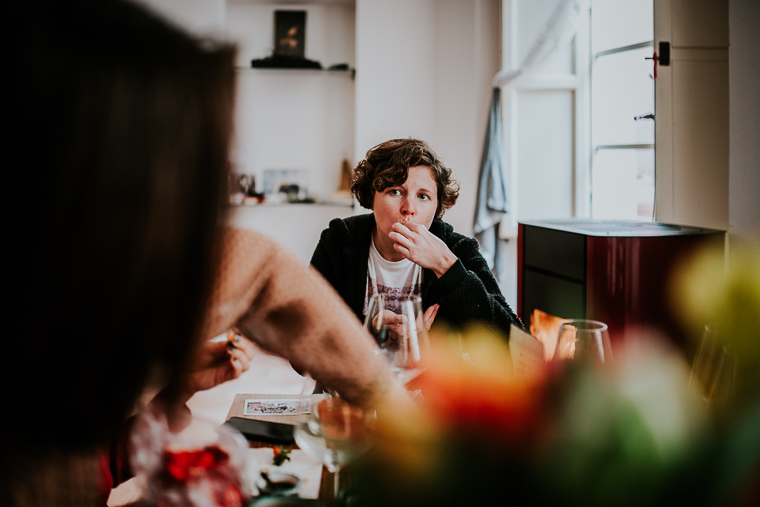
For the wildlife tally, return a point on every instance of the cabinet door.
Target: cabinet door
(691, 100)
(554, 273)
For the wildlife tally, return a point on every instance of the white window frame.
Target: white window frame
(577, 82)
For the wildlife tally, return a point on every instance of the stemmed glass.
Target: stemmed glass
(335, 433)
(714, 369)
(583, 340)
(398, 326)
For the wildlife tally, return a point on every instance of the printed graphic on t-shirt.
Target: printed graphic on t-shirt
(393, 295)
(397, 280)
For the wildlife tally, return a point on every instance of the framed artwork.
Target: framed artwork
(290, 33)
(292, 182)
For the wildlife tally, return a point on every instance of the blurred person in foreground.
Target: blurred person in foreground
(120, 270)
(404, 249)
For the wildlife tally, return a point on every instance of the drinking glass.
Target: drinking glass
(714, 369)
(584, 340)
(335, 433)
(398, 326)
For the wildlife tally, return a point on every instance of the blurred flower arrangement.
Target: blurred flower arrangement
(634, 432)
(201, 465)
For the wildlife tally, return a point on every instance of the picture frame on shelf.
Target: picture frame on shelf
(290, 185)
(290, 34)
(289, 43)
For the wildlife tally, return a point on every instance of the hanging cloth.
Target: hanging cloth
(491, 205)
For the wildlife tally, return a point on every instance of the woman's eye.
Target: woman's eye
(424, 197)
(394, 191)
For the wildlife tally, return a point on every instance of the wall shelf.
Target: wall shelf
(269, 70)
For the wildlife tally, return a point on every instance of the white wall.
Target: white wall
(298, 119)
(467, 35)
(423, 70)
(202, 17)
(395, 71)
(276, 220)
(744, 104)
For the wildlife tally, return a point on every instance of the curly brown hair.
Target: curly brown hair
(387, 165)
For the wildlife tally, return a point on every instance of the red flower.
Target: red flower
(184, 465)
(495, 407)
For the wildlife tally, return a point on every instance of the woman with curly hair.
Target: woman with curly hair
(404, 248)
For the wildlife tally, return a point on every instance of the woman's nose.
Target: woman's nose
(406, 207)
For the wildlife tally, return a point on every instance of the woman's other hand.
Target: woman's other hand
(388, 320)
(419, 245)
(219, 362)
(214, 364)
(429, 315)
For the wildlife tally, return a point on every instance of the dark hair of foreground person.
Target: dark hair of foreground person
(116, 179)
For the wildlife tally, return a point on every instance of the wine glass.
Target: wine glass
(335, 433)
(584, 340)
(398, 326)
(714, 368)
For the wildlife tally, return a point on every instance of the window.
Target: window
(622, 109)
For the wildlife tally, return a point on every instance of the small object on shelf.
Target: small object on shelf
(346, 173)
(339, 66)
(289, 43)
(291, 190)
(286, 185)
(284, 62)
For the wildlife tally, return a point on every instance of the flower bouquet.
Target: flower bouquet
(633, 432)
(201, 465)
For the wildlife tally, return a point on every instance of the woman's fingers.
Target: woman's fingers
(245, 346)
(430, 314)
(240, 359)
(400, 239)
(239, 353)
(389, 318)
(402, 250)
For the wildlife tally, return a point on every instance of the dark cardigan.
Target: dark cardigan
(467, 292)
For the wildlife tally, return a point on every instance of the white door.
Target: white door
(691, 94)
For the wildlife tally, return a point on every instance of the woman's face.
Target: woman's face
(416, 200)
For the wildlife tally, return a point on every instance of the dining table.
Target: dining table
(268, 376)
(326, 486)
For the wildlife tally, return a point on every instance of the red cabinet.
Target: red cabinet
(615, 271)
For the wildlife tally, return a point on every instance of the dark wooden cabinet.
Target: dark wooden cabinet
(615, 271)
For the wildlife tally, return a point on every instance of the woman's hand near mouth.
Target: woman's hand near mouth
(420, 246)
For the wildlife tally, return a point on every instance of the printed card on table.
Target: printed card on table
(277, 407)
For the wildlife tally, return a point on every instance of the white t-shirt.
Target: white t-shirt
(398, 280)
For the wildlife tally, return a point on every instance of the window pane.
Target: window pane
(621, 89)
(622, 184)
(617, 23)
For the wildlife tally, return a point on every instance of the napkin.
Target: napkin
(303, 466)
